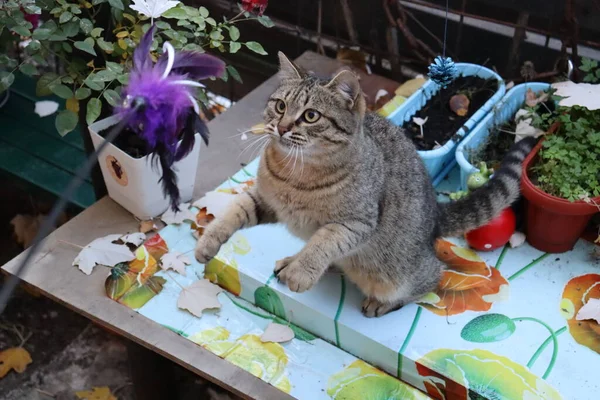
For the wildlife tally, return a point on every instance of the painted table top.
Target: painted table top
(501, 326)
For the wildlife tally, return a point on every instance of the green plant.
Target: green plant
(591, 67)
(93, 42)
(569, 160)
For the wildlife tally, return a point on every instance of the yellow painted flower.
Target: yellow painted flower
(214, 340)
(224, 274)
(460, 374)
(361, 381)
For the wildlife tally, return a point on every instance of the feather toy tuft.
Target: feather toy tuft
(169, 116)
(442, 71)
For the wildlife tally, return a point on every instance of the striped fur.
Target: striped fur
(352, 185)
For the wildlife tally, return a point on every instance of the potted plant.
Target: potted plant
(436, 125)
(93, 43)
(561, 178)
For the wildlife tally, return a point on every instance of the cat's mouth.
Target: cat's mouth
(292, 142)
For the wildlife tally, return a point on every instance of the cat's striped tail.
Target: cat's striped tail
(484, 204)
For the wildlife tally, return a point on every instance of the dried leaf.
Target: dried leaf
(517, 239)
(199, 296)
(152, 8)
(590, 310)
(510, 85)
(175, 261)
(25, 228)
(532, 99)
(459, 104)
(45, 107)
(277, 333)
(104, 252)
(184, 214)
(215, 203)
(148, 226)
(98, 393)
(16, 358)
(135, 239)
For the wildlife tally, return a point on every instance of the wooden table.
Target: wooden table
(52, 273)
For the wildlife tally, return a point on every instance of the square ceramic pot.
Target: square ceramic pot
(134, 182)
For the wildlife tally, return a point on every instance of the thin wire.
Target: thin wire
(9, 287)
(445, 31)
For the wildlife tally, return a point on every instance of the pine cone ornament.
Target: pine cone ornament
(442, 71)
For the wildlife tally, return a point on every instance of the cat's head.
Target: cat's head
(319, 116)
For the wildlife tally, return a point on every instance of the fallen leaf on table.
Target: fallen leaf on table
(203, 218)
(277, 333)
(26, 227)
(199, 296)
(175, 261)
(45, 107)
(459, 104)
(215, 203)
(16, 358)
(184, 214)
(532, 99)
(517, 239)
(135, 239)
(148, 226)
(104, 252)
(590, 310)
(98, 393)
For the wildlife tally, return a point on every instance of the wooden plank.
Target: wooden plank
(52, 273)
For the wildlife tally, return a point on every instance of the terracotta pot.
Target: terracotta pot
(553, 224)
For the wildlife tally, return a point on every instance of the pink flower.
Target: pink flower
(252, 5)
(34, 19)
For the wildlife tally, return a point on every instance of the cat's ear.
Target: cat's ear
(346, 83)
(287, 69)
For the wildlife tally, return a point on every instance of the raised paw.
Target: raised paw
(291, 272)
(207, 247)
(372, 307)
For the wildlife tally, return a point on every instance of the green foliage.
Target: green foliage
(592, 71)
(95, 54)
(569, 161)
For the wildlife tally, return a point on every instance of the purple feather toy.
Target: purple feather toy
(167, 114)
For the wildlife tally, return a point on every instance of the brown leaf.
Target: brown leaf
(16, 358)
(148, 226)
(97, 393)
(277, 333)
(459, 104)
(73, 105)
(199, 296)
(532, 99)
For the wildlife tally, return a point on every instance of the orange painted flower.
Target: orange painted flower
(468, 283)
(156, 246)
(578, 292)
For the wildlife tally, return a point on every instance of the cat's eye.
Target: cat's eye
(311, 116)
(280, 106)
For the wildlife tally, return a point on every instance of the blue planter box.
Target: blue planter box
(503, 112)
(440, 161)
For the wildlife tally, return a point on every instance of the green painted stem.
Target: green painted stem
(249, 310)
(501, 258)
(270, 279)
(525, 268)
(339, 310)
(247, 173)
(235, 180)
(409, 335)
(554, 347)
(543, 346)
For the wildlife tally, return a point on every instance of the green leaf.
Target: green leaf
(123, 79)
(65, 17)
(211, 21)
(92, 84)
(6, 80)
(71, 29)
(106, 46)
(94, 107)
(114, 67)
(118, 4)
(216, 35)
(34, 45)
(162, 25)
(225, 76)
(112, 97)
(87, 45)
(203, 12)
(21, 30)
(82, 93)
(32, 9)
(67, 80)
(234, 73)
(86, 26)
(266, 21)
(215, 43)
(176, 13)
(62, 91)
(267, 299)
(234, 47)
(488, 328)
(234, 33)
(28, 69)
(105, 76)
(67, 47)
(65, 122)
(96, 32)
(256, 47)
(41, 34)
(44, 83)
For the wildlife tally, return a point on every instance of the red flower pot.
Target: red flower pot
(553, 224)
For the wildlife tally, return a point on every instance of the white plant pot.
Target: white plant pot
(133, 182)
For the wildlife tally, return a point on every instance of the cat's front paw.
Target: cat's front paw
(207, 247)
(294, 274)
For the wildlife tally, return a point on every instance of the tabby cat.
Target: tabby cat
(352, 185)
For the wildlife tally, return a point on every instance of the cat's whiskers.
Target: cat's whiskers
(261, 148)
(255, 131)
(253, 143)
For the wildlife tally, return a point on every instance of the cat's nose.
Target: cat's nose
(284, 128)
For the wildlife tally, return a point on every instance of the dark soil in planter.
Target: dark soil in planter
(442, 123)
(130, 143)
(495, 147)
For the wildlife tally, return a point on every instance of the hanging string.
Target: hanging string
(445, 31)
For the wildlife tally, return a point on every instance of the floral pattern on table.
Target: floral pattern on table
(578, 292)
